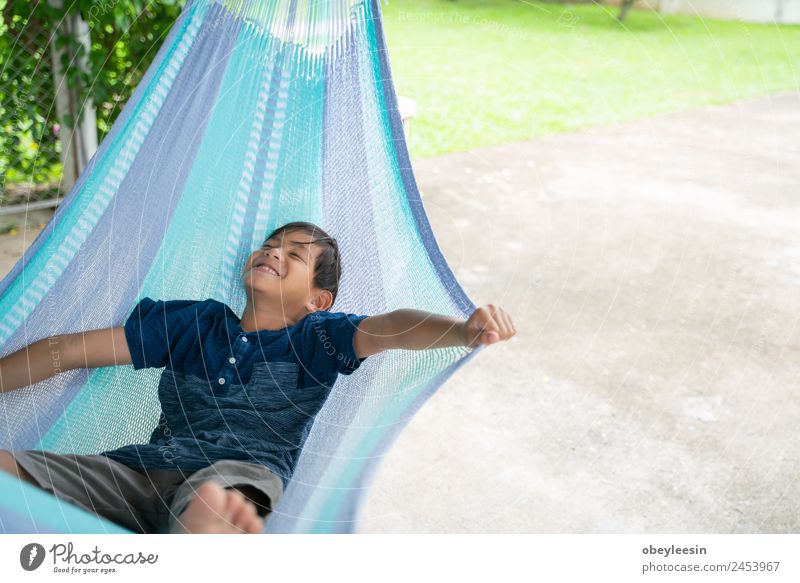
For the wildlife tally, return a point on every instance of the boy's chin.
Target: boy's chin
(261, 291)
(272, 296)
(257, 280)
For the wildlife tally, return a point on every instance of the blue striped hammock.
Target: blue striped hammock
(252, 115)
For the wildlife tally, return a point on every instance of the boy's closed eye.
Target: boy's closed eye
(291, 254)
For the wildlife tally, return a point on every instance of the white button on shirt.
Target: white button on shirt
(231, 360)
(244, 338)
(222, 381)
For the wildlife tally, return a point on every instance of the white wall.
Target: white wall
(784, 11)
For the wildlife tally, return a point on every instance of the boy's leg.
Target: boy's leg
(9, 464)
(217, 510)
(98, 484)
(256, 482)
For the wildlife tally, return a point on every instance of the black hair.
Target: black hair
(328, 267)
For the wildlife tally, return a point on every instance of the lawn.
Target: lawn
(493, 72)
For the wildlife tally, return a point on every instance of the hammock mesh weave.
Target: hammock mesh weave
(252, 115)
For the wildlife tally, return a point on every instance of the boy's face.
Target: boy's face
(283, 269)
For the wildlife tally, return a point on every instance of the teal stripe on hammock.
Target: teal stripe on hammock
(74, 224)
(257, 122)
(96, 394)
(35, 510)
(321, 497)
(296, 193)
(359, 449)
(106, 392)
(268, 192)
(229, 147)
(387, 437)
(325, 502)
(402, 243)
(263, 120)
(268, 166)
(344, 102)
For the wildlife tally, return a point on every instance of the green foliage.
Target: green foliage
(125, 36)
(125, 39)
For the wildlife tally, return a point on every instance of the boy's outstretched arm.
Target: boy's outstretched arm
(420, 330)
(49, 356)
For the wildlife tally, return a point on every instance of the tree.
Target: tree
(74, 105)
(625, 6)
(122, 39)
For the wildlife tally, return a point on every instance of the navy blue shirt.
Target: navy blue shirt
(230, 394)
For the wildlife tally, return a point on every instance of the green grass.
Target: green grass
(500, 71)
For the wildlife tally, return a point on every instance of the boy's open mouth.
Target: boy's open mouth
(262, 266)
(266, 269)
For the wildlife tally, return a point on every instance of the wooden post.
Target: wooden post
(78, 138)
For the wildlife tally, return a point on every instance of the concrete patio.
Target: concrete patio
(653, 273)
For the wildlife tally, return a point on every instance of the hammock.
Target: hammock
(252, 115)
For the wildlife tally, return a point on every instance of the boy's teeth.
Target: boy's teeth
(267, 269)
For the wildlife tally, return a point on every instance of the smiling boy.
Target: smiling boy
(238, 395)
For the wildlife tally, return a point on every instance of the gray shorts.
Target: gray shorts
(142, 500)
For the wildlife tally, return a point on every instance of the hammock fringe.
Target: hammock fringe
(318, 29)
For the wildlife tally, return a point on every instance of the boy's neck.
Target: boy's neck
(268, 318)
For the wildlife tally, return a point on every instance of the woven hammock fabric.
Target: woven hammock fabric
(252, 115)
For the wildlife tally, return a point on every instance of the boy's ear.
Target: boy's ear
(322, 300)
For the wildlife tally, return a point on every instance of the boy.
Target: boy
(238, 396)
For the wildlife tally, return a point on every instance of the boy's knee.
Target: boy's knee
(9, 464)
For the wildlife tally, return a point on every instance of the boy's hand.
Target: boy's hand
(487, 325)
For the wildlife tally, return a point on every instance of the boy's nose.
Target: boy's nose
(274, 253)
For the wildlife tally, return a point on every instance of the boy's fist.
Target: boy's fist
(487, 325)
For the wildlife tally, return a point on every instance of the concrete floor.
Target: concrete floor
(653, 274)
